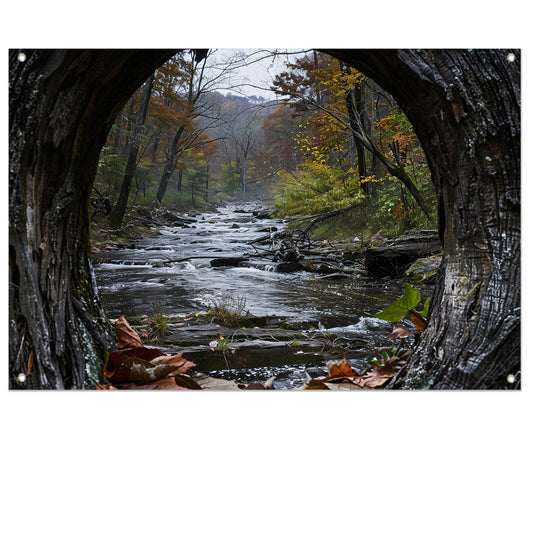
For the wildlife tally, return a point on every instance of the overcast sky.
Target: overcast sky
(256, 70)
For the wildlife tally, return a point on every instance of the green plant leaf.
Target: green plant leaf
(425, 311)
(397, 309)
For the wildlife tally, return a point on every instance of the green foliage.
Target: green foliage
(230, 311)
(158, 326)
(317, 188)
(425, 310)
(403, 305)
(231, 179)
(409, 300)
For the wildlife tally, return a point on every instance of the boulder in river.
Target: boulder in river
(263, 214)
(396, 255)
(226, 261)
(288, 266)
(424, 269)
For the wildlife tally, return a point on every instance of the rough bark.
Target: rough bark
(465, 108)
(62, 105)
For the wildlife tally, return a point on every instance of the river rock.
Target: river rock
(424, 269)
(263, 214)
(226, 261)
(288, 267)
(396, 255)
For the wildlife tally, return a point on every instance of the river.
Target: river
(171, 273)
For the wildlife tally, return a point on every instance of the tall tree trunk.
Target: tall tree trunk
(180, 179)
(117, 213)
(207, 183)
(62, 105)
(465, 108)
(244, 171)
(361, 163)
(170, 165)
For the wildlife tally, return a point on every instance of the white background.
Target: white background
(286, 461)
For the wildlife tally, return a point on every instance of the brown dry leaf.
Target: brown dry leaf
(99, 386)
(127, 336)
(419, 321)
(315, 384)
(340, 371)
(186, 382)
(142, 373)
(144, 365)
(380, 375)
(176, 360)
(172, 384)
(399, 332)
(114, 369)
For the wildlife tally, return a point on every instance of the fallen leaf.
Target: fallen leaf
(141, 373)
(340, 371)
(381, 374)
(316, 384)
(399, 332)
(143, 365)
(114, 369)
(187, 382)
(419, 321)
(127, 336)
(167, 384)
(99, 386)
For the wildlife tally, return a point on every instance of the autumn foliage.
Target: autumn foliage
(135, 366)
(341, 376)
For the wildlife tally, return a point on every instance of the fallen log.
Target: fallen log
(395, 257)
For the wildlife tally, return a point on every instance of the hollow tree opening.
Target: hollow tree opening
(464, 106)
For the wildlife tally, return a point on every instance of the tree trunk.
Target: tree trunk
(244, 171)
(465, 108)
(62, 105)
(180, 180)
(170, 165)
(117, 213)
(361, 163)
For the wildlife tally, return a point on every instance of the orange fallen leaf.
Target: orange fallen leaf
(316, 384)
(340, 371)
(127, 336)
(419, 321)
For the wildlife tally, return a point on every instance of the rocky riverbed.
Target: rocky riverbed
(302, 302)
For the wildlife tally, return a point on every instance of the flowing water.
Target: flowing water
(171, 273)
